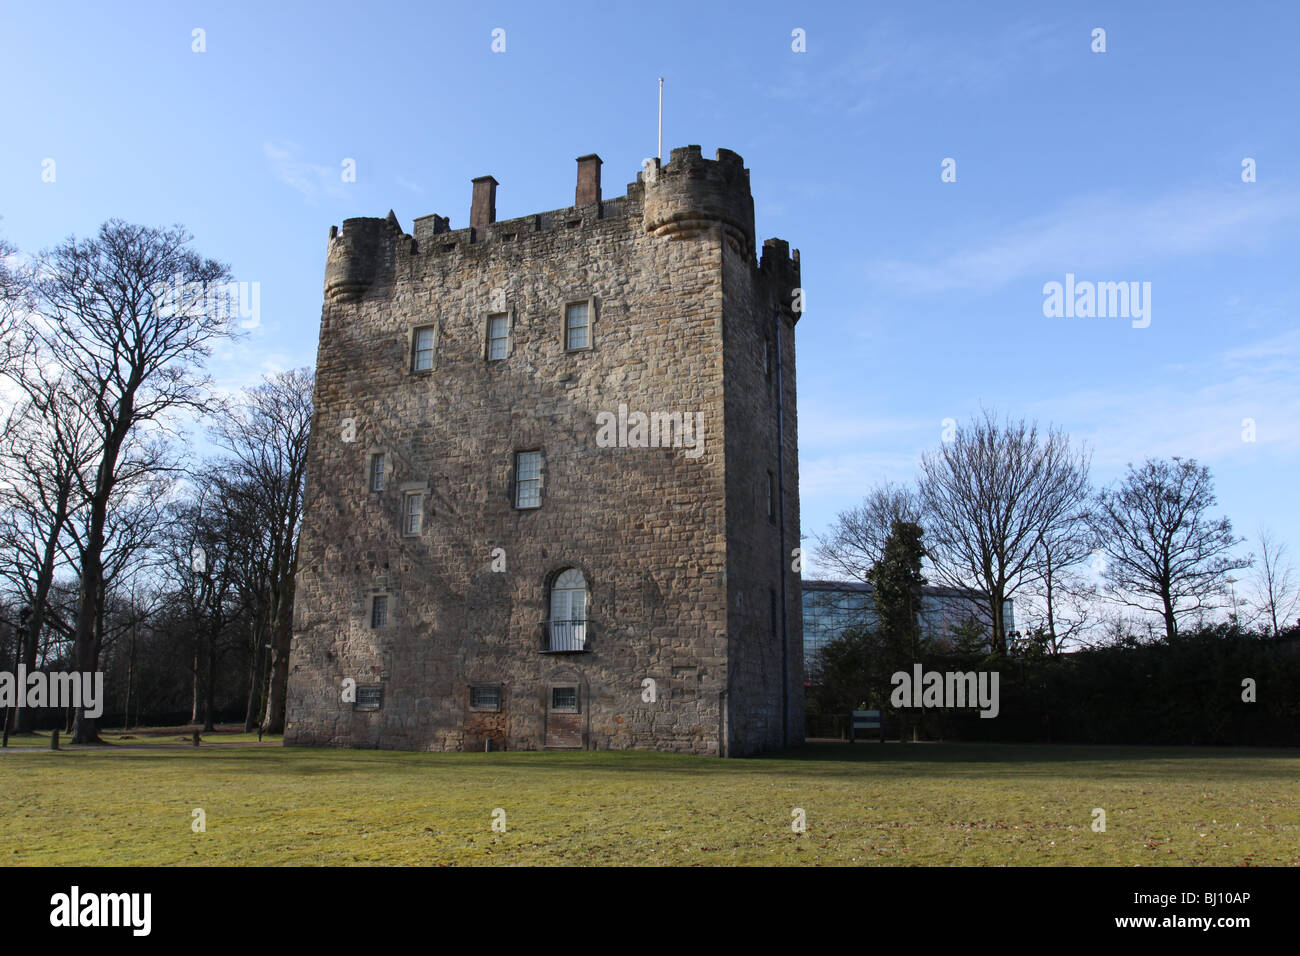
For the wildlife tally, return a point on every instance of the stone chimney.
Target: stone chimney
(483, 210)
(588, 180)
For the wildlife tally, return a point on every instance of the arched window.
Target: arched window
(568, 624)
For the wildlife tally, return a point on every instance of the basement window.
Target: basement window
(485, 697)
(369, 698)
(564, 700)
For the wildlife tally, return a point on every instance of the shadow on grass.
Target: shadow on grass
(1014, 753)
(822, 760)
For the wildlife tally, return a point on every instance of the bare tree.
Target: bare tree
(1165, 554)
(1063, 589)
(1277, 593)
(990, 498)
(48, 443)
(203, 553)
(268, 435)
(857, 540)
(15, 299)
(131, 355)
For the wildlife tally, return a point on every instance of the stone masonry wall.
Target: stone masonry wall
(657, 533)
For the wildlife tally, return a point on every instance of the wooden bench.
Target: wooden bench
(866, 720)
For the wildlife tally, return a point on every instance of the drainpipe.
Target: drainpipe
(780, 495)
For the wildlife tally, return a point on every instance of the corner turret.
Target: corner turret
(358, 255)
(692, 194)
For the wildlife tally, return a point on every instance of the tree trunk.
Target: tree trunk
(130, 674)
(254, 678)
(194, 683)
(85, 729)
(998, 639)
(211, 690)
(1171, 624)
(279, 679)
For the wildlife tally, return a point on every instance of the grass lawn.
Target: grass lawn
(147, 737)
(921, 804)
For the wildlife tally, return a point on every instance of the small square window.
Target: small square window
(485, 697)
(498, 337)
(379, 610)
(577, 326)
(422, 349)
(528, 479)
(564, 700)
(369, 698)
(377, 472)
(413, 518)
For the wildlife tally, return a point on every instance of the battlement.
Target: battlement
(682, 199)
(357, 253)
(691, 194)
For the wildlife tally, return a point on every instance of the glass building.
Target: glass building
(831, 607)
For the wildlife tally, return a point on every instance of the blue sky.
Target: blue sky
(924, 298)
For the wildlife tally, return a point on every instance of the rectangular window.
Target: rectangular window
(414, 515)
(485, 697)
(498, 337)
(377, 472)
(422, 347)
(369, 698)
(379, 610)
(528, 479)
(577, 326)
(564, 700)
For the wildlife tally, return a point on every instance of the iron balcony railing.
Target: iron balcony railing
(559, 636)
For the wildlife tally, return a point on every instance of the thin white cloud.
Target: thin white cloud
(1100, 233)
(1195, 411)
(312, 180)
(1198, 412)
(893, 57)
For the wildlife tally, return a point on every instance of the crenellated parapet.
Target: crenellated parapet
(779, 268)
(692, 194)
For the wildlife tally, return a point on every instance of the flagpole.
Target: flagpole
(661, 119)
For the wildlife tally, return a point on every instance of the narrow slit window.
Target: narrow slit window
(377, 464)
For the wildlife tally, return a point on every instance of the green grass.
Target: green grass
(923, 804)
(149, 737)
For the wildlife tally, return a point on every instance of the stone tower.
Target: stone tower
(552, 490)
